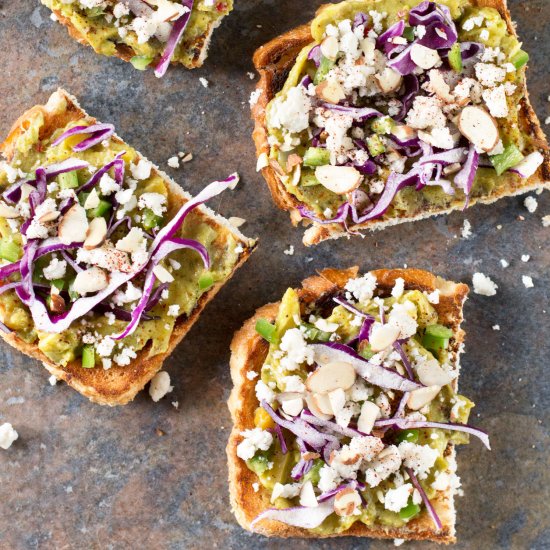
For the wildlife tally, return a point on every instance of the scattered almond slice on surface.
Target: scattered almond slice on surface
(338, 179)
(478, 127)
(330, 377)
(162, 274)
(307, 495)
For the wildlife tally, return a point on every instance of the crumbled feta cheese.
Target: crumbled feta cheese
(256, 486)
(124, 358)
(426, 113)
(362, 288)
(496, 327)
(489, 74)
(289, 251)
(174, 310)
(527, 281)
(495, 99)
(251, 375)
(531, 204)
(56, 269)
(296, 348)
(154, 201)
(420, 458)
(264, 392)
(289, 490)
(398, 288)
(483, 285)
(254, 96)
(7, 435)
(466, 231)
(525, 257)
(52, 380)
(108, 185)
(433, 297)
(504, 263)
(107, 363)
(293, 383)
(254, 440)
(160, 386)
(141, 170)
(292, 112)
(173, 162)
(105, 347)
(396, 499)
(204, 82)
(545, 221)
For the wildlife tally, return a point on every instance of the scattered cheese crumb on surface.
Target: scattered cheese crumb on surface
(52, 380)
(251, 75)
(289, 251)
(525, 258)
(174, 162)
(527, 281)
(483, 285)
(398, 542)
(546, 221)
(7, 435)
(176, 404)
(160, 386)
(204, 82)
(504, 263)
(496, 327)
(466, 229)
(531, 204)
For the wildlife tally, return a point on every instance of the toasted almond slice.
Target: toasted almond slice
(8, 212)
(309, 455)
(346, 501)
(337, 399)
(90, 280)
(293, 407)
(403, 132)
(430, 373)
(26, 190)
(316, 404)
(330, 91)
(330, 377)
(338, 179)
(92, 200)
(369, 413)
(383, 336)
(292, 161)
(389, 80)
(452, 168)
(478, 127)
(50, 216)
(162, 274)
(277, 167)
(439, 87)
(73, 225)
(329, 47)
(423, 396)
(235, 221)
(347, 457)
(57, 303)
(307, 495)
(132, 242)
(425, 58)
(97, 231)
(263, 162)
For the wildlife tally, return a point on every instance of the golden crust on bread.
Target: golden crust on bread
(118, 385)
(197, 47)
(274, 60)
(248, 353)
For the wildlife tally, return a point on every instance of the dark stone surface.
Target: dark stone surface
(83, 476)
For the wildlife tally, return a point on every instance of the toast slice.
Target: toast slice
(274, 61)
(192, 48)
(119, 384)
(249, 351)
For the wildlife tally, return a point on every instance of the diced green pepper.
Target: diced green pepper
(102, 208)
(408, 33)
(149, 219)
(436, 337)
(313, 333)
(68, 180)
(365, 350)
(324, 67)
(265, 329)
(407, 435)
(316, 156)
(9, 250)
(375, 145)
(519, 59)
(73, 295)
(88, 356)
(382, 125)
(455, 58)
(409, 511)
(206, 281)
(508, 158)
(141, 62)
(59, 284)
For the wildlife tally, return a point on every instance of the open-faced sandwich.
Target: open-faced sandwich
(106, 262)
(385, 112)
(148, 33)
(346, 411)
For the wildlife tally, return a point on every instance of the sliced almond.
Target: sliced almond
(263, 162)
(57, 303)
(26, 190)
(309, 455)
(292, 161)
(330, 377)
(329, 47)
(430, 373)
(423, 396)
(73, 225)
(389, 80)
(293, 407)
(8, 212)
(383, 336)
(92, 200)
(307, 495)
(424, 57)
(452, 168)
(338, 179)
(337, 399)
(330, 91)
(478, 127)
(235, 221)
(162, 274)
(439, 87)
(91, 280)
(369, 413)
(403, 132)
(347, 456)
(346, 501)
(277, 167)
(132, 242)
(50, 216)
(97, 231)
(319, 405)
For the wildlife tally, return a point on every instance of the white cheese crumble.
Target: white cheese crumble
(7, 435)
(292, 112)
(154, 201)
(525, 258)
(141, 170)
(204, 82)
(362, 288)
(398, 288)
(296, 348)
(531, 204)
(174, 310)
(254, 440)
(527, 281)
(483, 285)
(396, 499)
(466, 231)
(56, 269)
(504, 263)
(160, 386)
(289, 251)
(173, 162)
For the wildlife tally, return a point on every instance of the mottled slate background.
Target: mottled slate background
(83, 476)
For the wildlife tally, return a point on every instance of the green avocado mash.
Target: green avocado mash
(272, 466)
(190, 278)
(97, 26)
(323, 202)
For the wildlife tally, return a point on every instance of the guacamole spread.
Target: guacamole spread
(356, 409)
(397, 108)
(99, 257)
(146, 28)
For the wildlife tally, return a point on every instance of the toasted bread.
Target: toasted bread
(274, 60)
(195, 46)
(118, 385)
(249, 351)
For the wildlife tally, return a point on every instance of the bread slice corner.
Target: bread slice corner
(248, 353)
